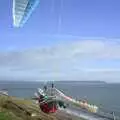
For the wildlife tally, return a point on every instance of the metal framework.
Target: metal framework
(22, 10)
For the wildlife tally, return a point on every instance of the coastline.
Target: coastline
(24, 109)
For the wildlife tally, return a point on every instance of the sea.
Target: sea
(104, 95)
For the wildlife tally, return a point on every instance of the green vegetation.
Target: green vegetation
(12, 108)
(4, 116)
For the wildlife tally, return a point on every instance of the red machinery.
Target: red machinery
(48, 108)
(48, 102)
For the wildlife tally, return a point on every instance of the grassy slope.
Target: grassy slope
(12, 108)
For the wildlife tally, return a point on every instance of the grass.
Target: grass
(4, 116)
(12, 108)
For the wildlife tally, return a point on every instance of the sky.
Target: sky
(62, 40)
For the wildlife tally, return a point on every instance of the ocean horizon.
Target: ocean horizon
(103, 94)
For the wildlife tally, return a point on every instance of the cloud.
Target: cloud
(72, 60)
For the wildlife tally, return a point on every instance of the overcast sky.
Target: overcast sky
(63, 40)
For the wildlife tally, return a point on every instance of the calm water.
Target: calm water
(106, 95)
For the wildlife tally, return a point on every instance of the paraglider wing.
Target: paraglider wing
(22, 10)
